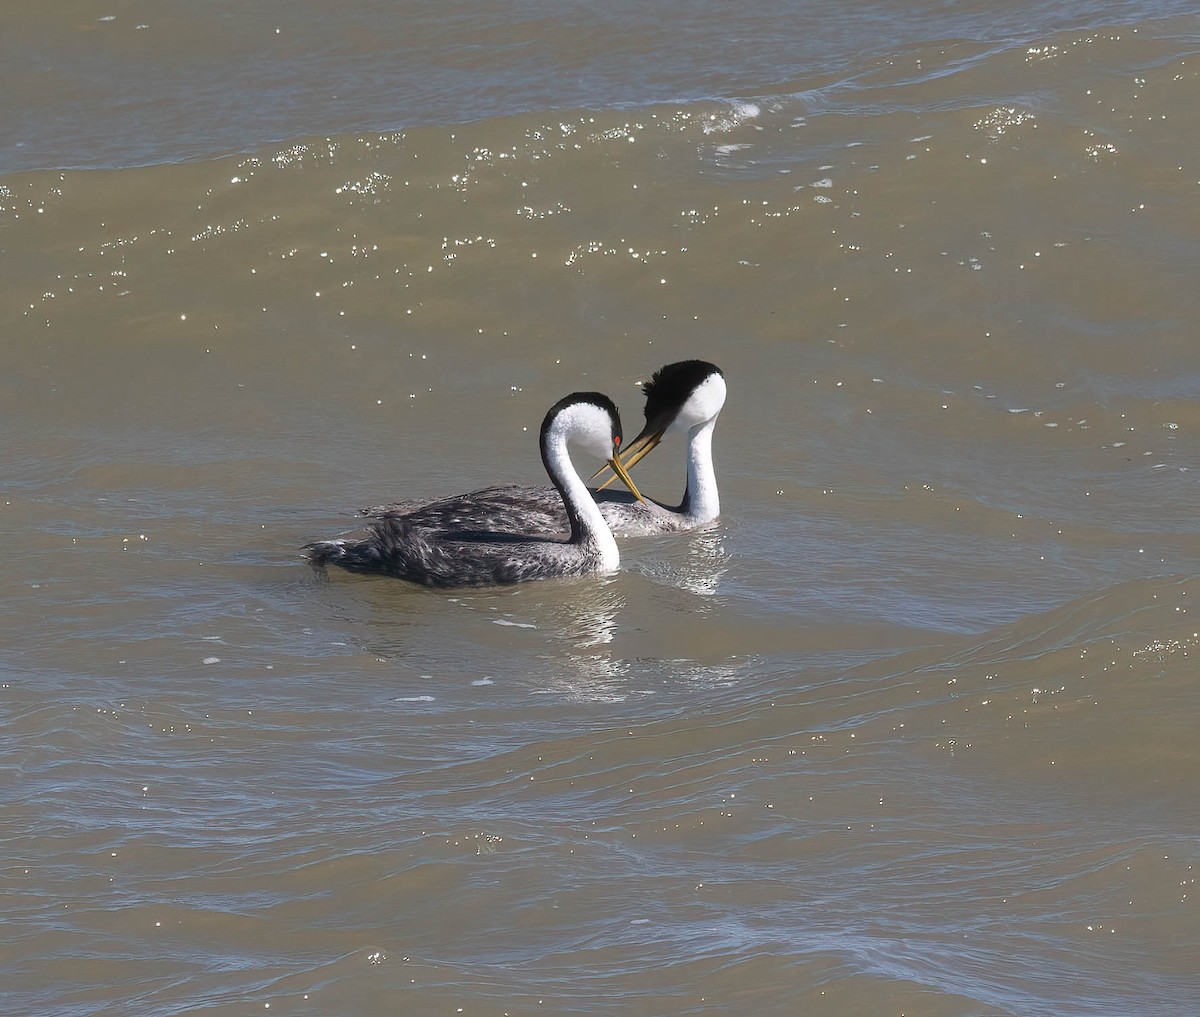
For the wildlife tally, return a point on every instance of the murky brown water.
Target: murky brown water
(912, 730)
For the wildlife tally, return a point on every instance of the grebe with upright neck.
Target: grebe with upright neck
(686, 396)
(458, 542)
(682, 397)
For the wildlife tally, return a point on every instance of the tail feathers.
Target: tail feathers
(324, 552)
(389, 547)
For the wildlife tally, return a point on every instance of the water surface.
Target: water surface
(910, 730)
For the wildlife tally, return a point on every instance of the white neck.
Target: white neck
(587, 524)
(701, 502)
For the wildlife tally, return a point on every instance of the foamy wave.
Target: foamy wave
(736, 115)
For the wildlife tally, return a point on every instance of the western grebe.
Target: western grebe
(686, 396)
(455, 542)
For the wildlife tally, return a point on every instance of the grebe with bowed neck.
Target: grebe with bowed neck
(457, 542)
(686, 396)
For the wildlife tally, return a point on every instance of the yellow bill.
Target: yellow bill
(635, 452)
(619, 471)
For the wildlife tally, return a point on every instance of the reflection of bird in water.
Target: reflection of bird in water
(695, 562)
(685, 396)
(458, 541)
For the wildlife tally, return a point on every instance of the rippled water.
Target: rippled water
(910, 730)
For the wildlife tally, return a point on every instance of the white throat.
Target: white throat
(702, 503)
(588, 526)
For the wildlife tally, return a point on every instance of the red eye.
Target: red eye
(616, 442)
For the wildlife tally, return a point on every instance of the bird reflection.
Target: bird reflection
(695, 562)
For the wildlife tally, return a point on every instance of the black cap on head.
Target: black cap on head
(669, 387)
(597, 399)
